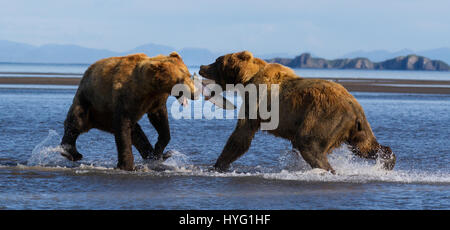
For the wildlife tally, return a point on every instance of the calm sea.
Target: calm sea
(24, 69)
(270, 176)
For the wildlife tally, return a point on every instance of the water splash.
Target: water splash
(177, 159)
(350, 168)
(48, 153)
(291, 166)
(291, 160)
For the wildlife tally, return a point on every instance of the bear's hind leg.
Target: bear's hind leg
(141, 142)
(318, 137)
(74, 125)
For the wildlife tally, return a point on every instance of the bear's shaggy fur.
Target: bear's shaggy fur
(115, 93)
(315, 115)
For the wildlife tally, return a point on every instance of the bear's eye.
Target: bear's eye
(358, 126)
(180, 81)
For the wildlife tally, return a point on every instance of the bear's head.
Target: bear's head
(234, 68)
(363, 142)
(169, 71)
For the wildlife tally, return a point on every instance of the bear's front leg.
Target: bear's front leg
(160, 121)
(314, 151)
(122, 134)
(238, 143)
(74, 125)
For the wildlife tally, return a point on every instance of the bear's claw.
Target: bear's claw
(71, 154)
(221, 168)
(160, 157)
(72, 157)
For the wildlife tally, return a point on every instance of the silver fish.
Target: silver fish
(207, 91)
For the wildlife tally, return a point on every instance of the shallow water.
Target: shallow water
(270, 176)
(29, 70)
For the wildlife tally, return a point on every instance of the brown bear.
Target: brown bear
(315, 115)
(115, 93)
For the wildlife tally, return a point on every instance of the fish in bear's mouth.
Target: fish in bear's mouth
(209, 94)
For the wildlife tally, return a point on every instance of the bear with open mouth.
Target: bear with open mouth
(315, 115)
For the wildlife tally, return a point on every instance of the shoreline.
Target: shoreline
(351, 84)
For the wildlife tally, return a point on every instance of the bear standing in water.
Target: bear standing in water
(316, 115)
(115, 93)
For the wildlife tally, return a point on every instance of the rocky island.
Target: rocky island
(410, 62)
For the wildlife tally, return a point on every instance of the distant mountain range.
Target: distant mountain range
(54, 53)
(409, 62)
(442, 54)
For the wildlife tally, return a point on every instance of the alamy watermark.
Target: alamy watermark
(256, 103)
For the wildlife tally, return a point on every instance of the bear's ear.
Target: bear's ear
(245, 55)
(175, 55)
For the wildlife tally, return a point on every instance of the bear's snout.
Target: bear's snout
(206, 71)
(202, 70)
(387, 157)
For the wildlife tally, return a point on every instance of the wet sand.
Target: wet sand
(40, 80)
(353, 85)
(395, 85)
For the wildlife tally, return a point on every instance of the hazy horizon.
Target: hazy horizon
(325, 28)
(214, 51)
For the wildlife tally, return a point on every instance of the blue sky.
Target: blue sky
(325, 28)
